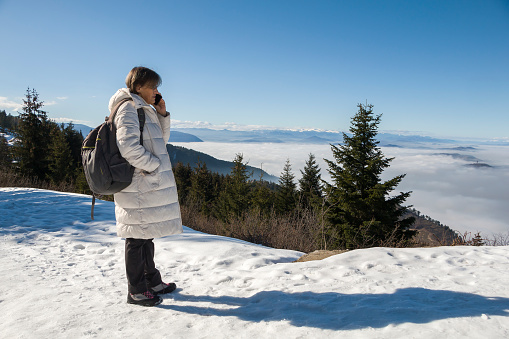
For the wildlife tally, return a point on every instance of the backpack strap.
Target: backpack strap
(141, 116)
(93, 204)
(115, 109)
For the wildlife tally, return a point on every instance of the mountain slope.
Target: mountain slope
(192, 157)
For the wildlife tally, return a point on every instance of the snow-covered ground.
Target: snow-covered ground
(62, 276)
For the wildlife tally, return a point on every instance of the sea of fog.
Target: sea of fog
(465, 198)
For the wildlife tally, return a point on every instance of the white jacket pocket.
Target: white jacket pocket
(147, 181)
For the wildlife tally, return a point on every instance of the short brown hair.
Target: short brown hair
(140, 76)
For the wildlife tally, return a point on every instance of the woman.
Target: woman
(148, 208)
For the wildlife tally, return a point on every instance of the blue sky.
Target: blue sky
(436, 67)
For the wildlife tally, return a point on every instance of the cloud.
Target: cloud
(464, 198)
(10, 105)
(403, 132)
(62, 98)
(50, 103)
(232, 126)
(68, 120)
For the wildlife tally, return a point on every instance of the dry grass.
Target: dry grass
(475, 239)
(9, 178)
(296, 231)
(319, 255)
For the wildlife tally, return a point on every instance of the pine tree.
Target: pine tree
(263, 198)
(8, 123)
(201, 192)
(287, 192)
(311, 183)
(477, 240)
(5, 153)
(74, 139)
(60, 167)
(183, 180)
(33, 137)
(360, 211)
(234, 199)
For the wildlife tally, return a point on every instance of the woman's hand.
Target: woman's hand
(161, 108)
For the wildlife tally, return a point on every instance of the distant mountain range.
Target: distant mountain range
(176, 136)
(301, 136)
(84, 129)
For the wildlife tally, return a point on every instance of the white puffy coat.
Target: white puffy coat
(148, 208)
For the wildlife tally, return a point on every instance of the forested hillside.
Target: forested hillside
(432, 232)
(192, 157)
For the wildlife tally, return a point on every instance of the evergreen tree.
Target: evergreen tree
(3, 120)
(477, 240)
(263, 198)
(360, 211)
(311, 183)
(80, 183)
(287, 192)
(8, 123)
(201, 192)
(183, 180)
(74, 139)
(234, 199)
(33, 137)
(61, 167)
(5, 153)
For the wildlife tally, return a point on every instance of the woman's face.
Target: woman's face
(148, 93)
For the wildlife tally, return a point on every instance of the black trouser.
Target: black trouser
(140, 267)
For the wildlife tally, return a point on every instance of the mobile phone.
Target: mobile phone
(158, 98)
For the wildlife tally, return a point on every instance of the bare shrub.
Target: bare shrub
(466, 239)
(9, 178)
(497, 239)
(298, 230)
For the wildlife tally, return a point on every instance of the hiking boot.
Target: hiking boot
(163, 288)
(144, 299)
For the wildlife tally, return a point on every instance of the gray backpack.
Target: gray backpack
(106, 171)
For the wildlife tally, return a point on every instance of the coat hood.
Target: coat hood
(124, 93)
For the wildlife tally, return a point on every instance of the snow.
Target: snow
(9, 137)
(62, 276)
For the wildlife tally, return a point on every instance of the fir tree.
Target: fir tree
(5, 153)
(201, 191)
(60, 167)
(311, 183)
(8, 123)
(234, 199)
(287, 192)
(33, 137)
(477, 240)
(360, 211)
(183, 180)
(74, 140)
(263, 197)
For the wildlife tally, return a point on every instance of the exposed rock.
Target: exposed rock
(319, 255)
